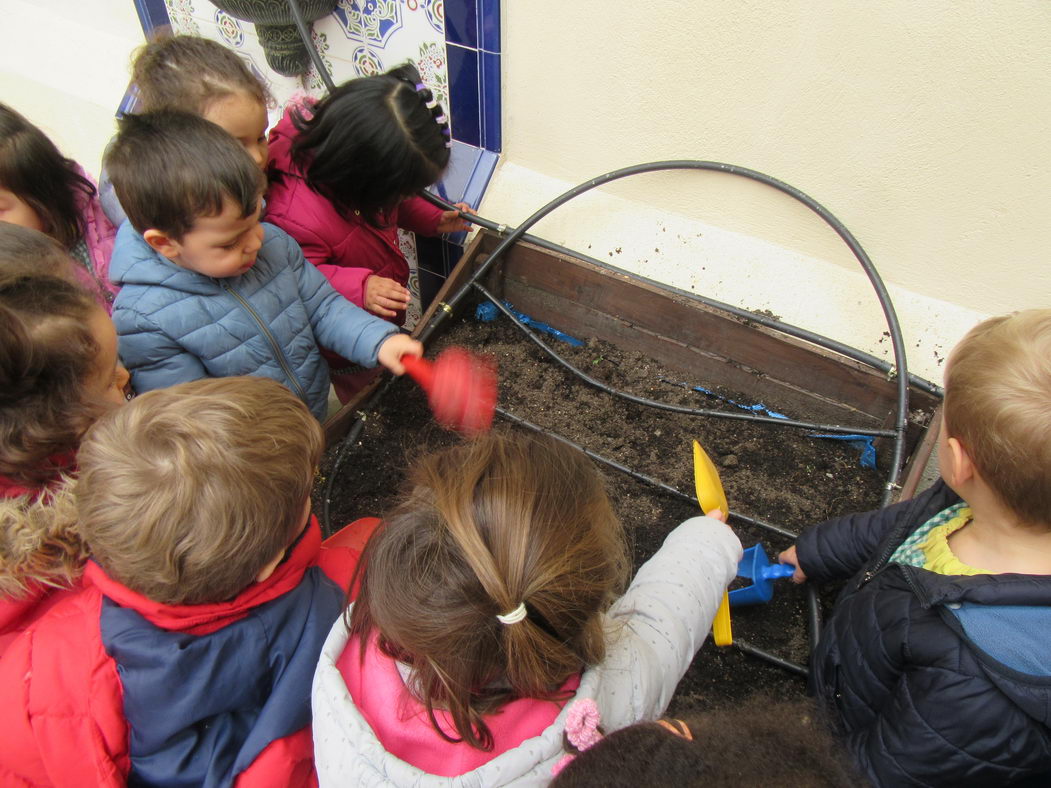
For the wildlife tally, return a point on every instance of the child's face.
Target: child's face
(15, 210)
(109, 379)
(218, 246)
(244, 119)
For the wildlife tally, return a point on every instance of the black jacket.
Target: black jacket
(933, 679)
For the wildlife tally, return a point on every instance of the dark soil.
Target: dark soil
(776, 474)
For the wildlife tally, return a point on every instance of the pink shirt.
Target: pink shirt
(401, 723)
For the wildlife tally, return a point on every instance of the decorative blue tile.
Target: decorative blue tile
(489, 25)
(490, 90)
(464, 93)
(461, 22)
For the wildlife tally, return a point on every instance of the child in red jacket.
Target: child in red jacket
(58, 372)
(190, 651)
(343, 175)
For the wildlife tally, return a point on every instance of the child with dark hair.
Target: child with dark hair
(758, 742)
(344, 173)
(43, 190)
(202, 77)
(187, 656)
(936, 662)
(59, 372)
(24, 251)
(209, 291)
(488, 600)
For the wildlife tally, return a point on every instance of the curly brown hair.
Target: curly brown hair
(47, 354)
(484, 527)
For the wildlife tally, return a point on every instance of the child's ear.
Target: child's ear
(962, 468)
(162, 243)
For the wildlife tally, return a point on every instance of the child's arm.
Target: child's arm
(837, 549)
(668, 611)
(338, 324)
(419, 216)
(154, 360)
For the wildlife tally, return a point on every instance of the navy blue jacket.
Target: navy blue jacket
(932, 679)
(176, 325)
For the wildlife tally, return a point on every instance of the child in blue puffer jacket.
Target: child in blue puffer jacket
(936, 663)
(209, 291)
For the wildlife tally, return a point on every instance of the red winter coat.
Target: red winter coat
(346, 249)
(67, 713)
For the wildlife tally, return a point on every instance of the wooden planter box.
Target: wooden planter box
(702, 342)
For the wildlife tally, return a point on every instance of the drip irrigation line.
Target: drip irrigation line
(719, 414)
(754, 317)
(897, 342)
(640, 476)
(813, 607)
(308, 44)
(755, 651)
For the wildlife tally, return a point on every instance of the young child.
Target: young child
(58, 372)
(343, 177)
(935, 662)
(760, 741)
(485, 606)
(187, 657)
(202, 77)
(42, 190)
(24, 251)
(208, 290)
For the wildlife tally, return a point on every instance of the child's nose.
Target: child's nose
(259, 154)
(255, 240)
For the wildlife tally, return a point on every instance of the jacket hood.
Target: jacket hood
(136, 263)
(39, 542)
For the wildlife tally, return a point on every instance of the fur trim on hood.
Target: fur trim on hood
(39, 541)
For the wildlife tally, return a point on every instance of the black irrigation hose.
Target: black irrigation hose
(840, 229)
(719, 414)
(308, 44)
(640, 476)
(755, 651)
(754, 317)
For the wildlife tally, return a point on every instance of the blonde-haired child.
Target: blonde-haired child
(935, 661)
(202, 77)
(190, 650)
(488, 600)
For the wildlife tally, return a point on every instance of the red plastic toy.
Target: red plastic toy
(460, 386)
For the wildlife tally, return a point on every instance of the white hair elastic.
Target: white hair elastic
(514, 616)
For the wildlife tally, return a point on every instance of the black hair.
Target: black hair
(169, 168)
(190, 73)
(372, 142)
(38, 174)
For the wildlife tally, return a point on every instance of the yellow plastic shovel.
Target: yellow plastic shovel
(711, 496)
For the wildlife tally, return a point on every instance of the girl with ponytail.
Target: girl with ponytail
(487, 602)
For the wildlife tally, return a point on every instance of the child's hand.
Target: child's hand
(789, 557)
(452, 222)
(396, 346)
(717, 514)
(385, 297)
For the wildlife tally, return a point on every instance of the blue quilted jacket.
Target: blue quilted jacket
(177, 325)
(933, 680)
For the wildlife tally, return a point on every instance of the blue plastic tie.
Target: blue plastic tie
(862, 442)
(756, 408)
(487, 311)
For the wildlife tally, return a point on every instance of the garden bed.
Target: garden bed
(649, 342)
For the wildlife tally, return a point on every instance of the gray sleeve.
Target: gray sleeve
(663, 619)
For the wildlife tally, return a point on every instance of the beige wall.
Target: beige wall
(925, 126)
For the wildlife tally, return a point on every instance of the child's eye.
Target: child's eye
(229, 247)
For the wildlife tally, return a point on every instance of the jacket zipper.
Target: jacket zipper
(279, 353)
(892, 544)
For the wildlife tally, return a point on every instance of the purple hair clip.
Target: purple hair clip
(420, 87)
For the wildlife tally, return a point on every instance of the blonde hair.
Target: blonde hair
(484, 527)
(186, 493)
(998, 406)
